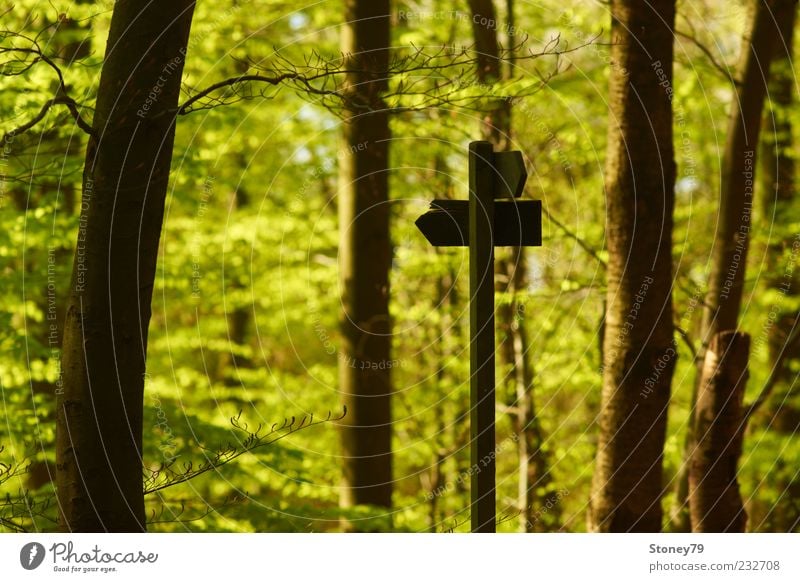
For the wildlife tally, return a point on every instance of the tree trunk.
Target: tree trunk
(69, 40)
(639, 353)
(496, 123)
(782, 410)
(778, 167)
(238, 317)
(99, 430)
(714, 499)
(365, 256)
(732, 236)
(679, 519)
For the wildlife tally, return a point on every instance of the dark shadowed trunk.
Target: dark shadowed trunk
(496, 123)
(714, 499)
(732, 237)
(365, 256)
(99, 435)
(778, 166)
(638, 349)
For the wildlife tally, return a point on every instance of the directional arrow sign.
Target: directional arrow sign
(516, 224)
(481, 223)
(510, 175)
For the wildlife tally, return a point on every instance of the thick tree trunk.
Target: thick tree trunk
(99, 431)
(732, 236)
(365, 256)
(714, 499)
(639, 353)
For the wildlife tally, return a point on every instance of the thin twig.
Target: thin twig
(62, 97)
(581, 243)
(71, 105)
(724, 69)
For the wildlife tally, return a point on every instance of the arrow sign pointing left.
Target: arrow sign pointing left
(516, 224)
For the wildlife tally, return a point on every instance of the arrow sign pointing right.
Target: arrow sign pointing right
(510, 174)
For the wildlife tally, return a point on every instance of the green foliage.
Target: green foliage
(246, 308)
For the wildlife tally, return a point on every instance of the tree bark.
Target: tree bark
(365, 256)
(495, 124)
(782, 410)
(639, 353)
(732, 236)
(714, 499)
(779, 171)
(100, 409)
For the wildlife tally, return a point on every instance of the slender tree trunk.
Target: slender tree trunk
(238, 317)
(99, 430)
(447, 300)
(445, 295)
(495, 125)
(639, 353)
(365, 256)
(732, 237)
(679, 519)
(714, 499)
(69, 41)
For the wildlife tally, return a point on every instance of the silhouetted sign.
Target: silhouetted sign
(482, 223)
(510, 175)
(516, 224)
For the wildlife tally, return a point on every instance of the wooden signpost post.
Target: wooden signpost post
(481, 223)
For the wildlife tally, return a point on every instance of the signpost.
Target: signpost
(482, 223)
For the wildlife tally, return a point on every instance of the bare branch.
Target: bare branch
(581, 243)
(720, 67)
(185, 108)
(62, 97)
(71, 105)
(165, 476)
(687, 339)
(456, 83)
